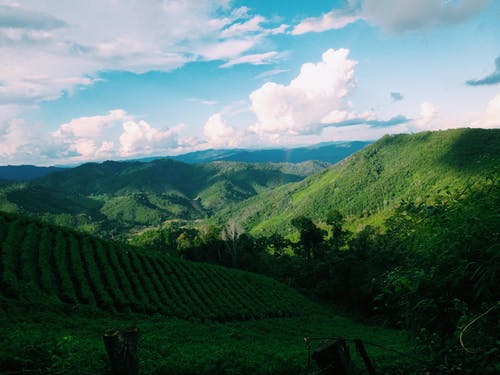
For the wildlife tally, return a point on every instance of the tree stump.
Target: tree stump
(122, 349)
(333, 358)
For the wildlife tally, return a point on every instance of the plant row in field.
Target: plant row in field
(78, 269)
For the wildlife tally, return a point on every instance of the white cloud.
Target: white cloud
(227, 49)
(428, 114)
(394, 16)
(491, 117)
(238, 29)
(219, 134)
(255, 59)
(332, 20)
(405, 15)
(302, 106)
(15, 17)
(50, 47)
(141, 138)
(90, 127)
(271, 73)
(23, 143)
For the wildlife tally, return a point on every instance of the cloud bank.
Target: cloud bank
(68, 44)
(394, 16)
(113, 135)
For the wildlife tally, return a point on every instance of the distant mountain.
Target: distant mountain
(25, 172)
(113, 197)
(375, 179)
(331, 152)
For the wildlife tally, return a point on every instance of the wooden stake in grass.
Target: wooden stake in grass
(122, 349)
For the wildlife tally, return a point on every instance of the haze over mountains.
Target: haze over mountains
(331, 152)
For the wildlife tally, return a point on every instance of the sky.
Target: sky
(102, 80)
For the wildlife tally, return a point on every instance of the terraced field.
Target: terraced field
(45, 262)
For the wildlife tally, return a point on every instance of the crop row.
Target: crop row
(82, 270)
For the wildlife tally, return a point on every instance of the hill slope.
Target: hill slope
(44, 264)
(117, 196)
(376, 178)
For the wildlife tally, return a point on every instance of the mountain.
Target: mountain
(331, 152)
(116, 196)
(375, 179)
(25, 172)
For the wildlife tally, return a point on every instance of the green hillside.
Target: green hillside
(372, 181)
(61, 289)
(40, 262)
(113, 197)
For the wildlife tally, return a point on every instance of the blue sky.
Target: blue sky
(120, 79)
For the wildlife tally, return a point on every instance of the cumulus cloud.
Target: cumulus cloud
(306, 104)
(90, 127)
(490, 79)
(406, 15)
(219, 134)
(428, 113)
(333, 20)
(141, 138)
(23, 143)
(491, 117)
(112, 135)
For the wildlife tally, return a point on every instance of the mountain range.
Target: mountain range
(331, 152)
(121, 198)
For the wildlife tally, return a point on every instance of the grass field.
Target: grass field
(58, 343)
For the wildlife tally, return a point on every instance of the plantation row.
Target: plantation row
(76, 269)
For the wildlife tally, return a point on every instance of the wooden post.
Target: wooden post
(333, 358)
(362, 351)
(122, 349)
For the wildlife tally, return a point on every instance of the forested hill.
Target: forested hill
(378, 177)
(25, 172)
(113, 197)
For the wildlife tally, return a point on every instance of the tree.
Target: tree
(311, 237)
(230, 235)
(336, 220)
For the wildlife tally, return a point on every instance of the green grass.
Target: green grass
(72, 343)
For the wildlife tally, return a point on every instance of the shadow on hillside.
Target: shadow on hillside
(473, 149)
